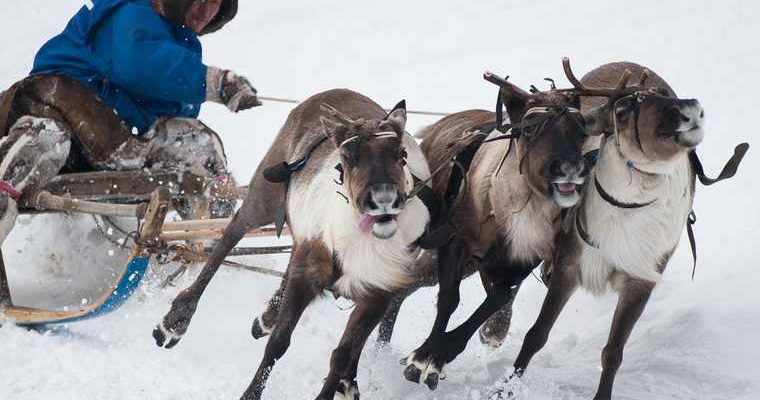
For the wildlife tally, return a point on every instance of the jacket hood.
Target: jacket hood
(175, 10)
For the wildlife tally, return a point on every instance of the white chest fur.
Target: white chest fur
(367, 262)
(531, 231)
(632, 242)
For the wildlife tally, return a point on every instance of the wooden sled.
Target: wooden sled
(142, 195)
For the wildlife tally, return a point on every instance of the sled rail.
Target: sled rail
(126, 281)
(45, 201)
(208, 229)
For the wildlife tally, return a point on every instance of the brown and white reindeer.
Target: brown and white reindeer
(507, 212)
(634, 209)
(354, 225)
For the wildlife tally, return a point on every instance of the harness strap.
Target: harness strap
(499, 110)
(729, 170)
(8, 189)
(609, 199)
(582, 232)
(281, 172)
(692, 241)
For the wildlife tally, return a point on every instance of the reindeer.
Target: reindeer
(630, 220)
(507, 211)
(354, 224)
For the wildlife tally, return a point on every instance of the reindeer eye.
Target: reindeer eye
(621, 110)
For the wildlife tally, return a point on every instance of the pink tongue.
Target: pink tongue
(566, 187)
(365, 223)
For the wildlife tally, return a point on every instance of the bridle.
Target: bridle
(534, 123)
(419, 184)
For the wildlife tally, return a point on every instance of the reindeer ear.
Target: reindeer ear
(396, 118)
(516, 101)
(334, 130)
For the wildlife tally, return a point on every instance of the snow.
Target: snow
(696, 340)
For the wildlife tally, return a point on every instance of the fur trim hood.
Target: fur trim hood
(175, 10)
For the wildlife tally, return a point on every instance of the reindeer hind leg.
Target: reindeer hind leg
(494, 331)
(264, 324)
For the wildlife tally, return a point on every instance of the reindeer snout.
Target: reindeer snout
(382, 199)
(689, 117)
(571, 169)
(688, 113)
(567, 175)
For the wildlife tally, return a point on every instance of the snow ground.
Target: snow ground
(696, 340)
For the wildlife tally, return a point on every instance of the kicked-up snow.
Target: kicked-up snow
(696, 340)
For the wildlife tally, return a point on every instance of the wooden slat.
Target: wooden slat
(45, 201)
(154, 216)
(123, 186)
(213, 234)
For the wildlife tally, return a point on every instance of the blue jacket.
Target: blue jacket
(139, 63)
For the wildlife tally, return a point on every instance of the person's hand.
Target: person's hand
(238, 93)
(234, 91)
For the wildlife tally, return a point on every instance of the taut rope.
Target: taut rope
(292, 101)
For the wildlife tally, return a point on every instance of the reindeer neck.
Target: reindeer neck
(622, 180)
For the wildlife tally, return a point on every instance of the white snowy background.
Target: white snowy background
(696, 340)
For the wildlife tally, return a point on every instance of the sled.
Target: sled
(143, 196)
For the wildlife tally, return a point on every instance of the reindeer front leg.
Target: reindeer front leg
(451, 264)
(633, 298)
(345, 358)
(562, 286)
(454, 342)
(175, 323)
(308, 272)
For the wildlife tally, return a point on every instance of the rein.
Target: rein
(615, 202)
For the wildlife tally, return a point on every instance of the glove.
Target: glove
(234, 91)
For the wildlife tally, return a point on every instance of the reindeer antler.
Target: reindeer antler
(620, 89)
(496, 79)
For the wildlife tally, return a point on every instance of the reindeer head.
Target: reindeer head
(372, 166)
(650, 127)
(551, 136)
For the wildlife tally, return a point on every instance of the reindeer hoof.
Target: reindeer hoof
(347, 390)
(174, 325)
(425, 371)
(259, 330)
(164, 336)
(412, 373)
(507, 387)
(489, 338)
(432, 380)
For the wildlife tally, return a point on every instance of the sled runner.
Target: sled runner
(141, 196)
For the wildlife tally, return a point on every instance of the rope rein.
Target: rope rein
(293, 101)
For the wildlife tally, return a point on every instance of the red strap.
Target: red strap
(8, 189)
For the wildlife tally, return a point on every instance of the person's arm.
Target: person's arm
(234, 91)
(147, 61)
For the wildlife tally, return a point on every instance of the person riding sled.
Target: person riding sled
(121, 89)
